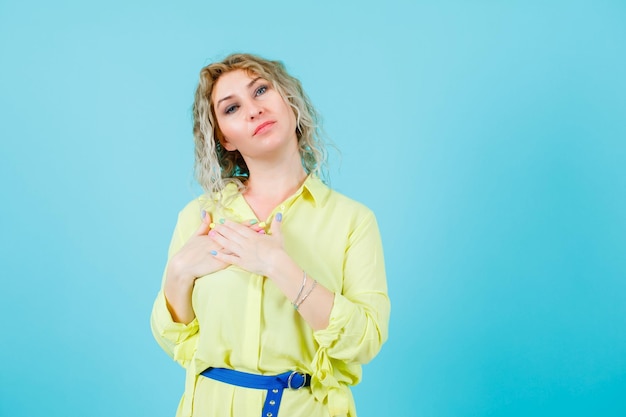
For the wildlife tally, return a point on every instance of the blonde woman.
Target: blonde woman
(274, 293)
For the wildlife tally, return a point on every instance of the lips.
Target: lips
(262, 127)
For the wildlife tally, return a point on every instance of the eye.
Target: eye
(261, 90)
(231, 109)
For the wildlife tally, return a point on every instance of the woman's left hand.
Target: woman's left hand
(248, 248)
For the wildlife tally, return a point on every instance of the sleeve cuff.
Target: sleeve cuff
(340, 316)
(171, 336)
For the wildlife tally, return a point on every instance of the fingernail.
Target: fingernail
(203, 214)
(254, 221)
(261, 232)
(262, 224)
(279, 217)
(212, 225)
(213, 252)
(222, 221)
(212, 233)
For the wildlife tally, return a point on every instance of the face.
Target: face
(252, 116)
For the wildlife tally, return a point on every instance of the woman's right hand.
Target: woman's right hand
(192, 261)
(195, 259)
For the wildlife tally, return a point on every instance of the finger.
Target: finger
(276, 223)
(225, 257)
(253, 224)
(234, 231)
(222, 241)
(257, 229)
(205, 224)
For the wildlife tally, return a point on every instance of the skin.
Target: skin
(255, 120)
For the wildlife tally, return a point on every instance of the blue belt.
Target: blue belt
(274, 384)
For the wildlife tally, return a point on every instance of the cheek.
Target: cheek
(232, 130)
(225, 126)
(289, 112)
(292, 116)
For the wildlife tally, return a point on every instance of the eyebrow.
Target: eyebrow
(250, 84)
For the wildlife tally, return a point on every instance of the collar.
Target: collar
(314, 189)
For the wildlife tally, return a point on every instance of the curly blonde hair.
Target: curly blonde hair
(215, 167)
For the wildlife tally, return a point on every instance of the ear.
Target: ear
(224, 142)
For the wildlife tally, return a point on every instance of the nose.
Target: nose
(254, 111)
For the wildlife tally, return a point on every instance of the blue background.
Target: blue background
(489, 138)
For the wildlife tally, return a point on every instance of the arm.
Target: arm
(350, 326)
(265, 255)
(172, 320)
(192, 261)
(359, 320)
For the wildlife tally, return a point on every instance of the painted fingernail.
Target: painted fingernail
(279, 217)
(254, 221)
(212, 233)
(213, 252)
(262, 224)
(212, 225)
(261, 232)
(203, 214)
(222, 221)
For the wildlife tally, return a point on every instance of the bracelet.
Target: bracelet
(295, 301)
(299, 303)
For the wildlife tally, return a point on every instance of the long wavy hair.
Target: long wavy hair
(215, 167)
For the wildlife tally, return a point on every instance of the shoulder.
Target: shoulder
(338, 198)
(194, 206)
(189, 217)
(339, 203)
(356, 214)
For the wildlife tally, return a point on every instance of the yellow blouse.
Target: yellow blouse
(244, 322)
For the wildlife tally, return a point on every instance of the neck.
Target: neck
(275, 181)
(272, 181)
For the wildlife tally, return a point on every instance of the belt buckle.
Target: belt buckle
(291, 377)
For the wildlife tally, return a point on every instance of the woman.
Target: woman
(274, 294)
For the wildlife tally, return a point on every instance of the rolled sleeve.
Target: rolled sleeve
(359, 319)
(354, 332)
(178, 340)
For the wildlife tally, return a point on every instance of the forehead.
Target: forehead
(232, 83)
